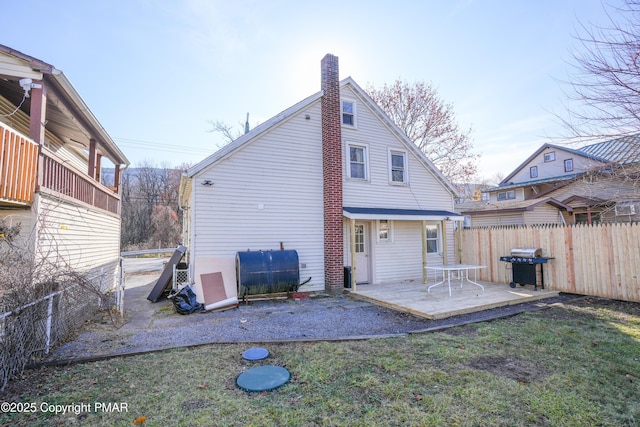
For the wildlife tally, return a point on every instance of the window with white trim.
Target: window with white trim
(349, 113)
(533, 171)
(384, 230)
(550, 156)
(568, 165)
(433, 238)
(398, 167)
(358, 162)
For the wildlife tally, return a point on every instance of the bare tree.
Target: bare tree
(147, 190)
(228, 132)
(166, 231)
(430, 123)
(604, 82)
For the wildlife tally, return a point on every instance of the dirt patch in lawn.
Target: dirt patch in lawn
(524, 371)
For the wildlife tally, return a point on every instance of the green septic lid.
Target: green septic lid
(263, 378)
(256, 353)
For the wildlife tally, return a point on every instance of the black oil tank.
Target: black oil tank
(266, 272)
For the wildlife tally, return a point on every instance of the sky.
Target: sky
(156, 73)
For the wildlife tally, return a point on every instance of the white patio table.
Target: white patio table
(462, 271)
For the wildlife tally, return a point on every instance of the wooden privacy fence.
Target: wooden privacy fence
(599, 260)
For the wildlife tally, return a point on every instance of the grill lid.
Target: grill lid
(526, 252)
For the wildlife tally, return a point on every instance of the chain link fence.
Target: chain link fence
(37, 318)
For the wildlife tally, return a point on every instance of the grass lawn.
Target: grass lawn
(572, 365)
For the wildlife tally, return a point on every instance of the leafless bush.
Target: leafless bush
(42, 303)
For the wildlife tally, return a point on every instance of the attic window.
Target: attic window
(533, 171)
(398, 167)
(568, 165)
(348, 113)
(550, 157)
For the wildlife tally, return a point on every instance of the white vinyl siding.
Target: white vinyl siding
(67, 234)
(267, 192)
(550, 169)
(498, 219)
(407, 240)
(542, 214)
(77, 236)
(519, 195)
(424, 190)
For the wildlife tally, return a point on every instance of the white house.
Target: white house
(331, 177)
(52, 149)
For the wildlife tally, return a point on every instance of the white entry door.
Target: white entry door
(362, 252)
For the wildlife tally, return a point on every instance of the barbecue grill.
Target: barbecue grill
(524, 262)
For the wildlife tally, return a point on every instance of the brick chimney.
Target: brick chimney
(332, 175)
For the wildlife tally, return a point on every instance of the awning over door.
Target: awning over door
(400, 214)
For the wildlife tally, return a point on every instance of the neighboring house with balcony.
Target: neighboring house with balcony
(52, 149)
(334, 179)
(562, 185)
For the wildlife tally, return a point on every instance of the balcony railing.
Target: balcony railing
(18, 167)
(19, 173)
(67, 182)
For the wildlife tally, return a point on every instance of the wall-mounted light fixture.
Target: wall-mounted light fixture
(27, 85)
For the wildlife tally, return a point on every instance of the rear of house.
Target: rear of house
(345, 189)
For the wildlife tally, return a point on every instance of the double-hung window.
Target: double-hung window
(433, 239)
(349, 113)
(358, 167)
(398, 167)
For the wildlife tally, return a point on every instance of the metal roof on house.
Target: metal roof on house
(515, 206)
(623, 151)
(533, 182)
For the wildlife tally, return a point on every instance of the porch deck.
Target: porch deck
(412, 297)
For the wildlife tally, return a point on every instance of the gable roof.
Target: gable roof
(622, 151)
(297, 108)
(507, 179)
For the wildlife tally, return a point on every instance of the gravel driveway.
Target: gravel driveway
(155, 326)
